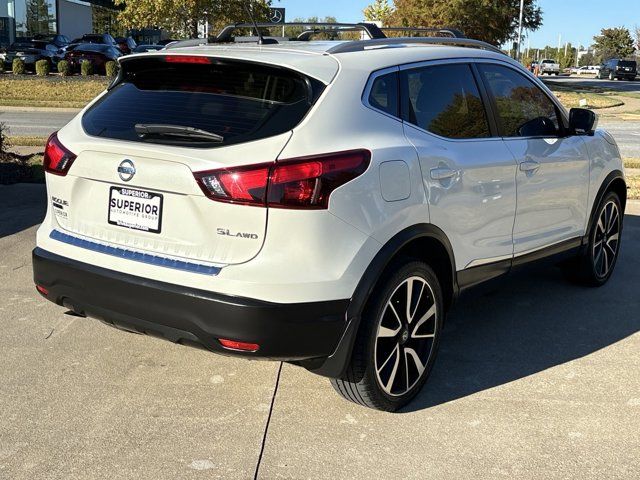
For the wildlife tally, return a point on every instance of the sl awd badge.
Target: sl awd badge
(126, 170)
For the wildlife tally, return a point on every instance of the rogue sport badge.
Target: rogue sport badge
(126, 170)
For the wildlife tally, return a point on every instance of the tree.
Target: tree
(38, 17)
(378, 11)
(293, 32)
(586, 60)
(614, 43)
(493, 21)
(181, 17)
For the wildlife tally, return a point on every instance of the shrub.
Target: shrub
(111, 69)
(64, 68)
(18, 66)
(4, 141)
(43, 68)
(86, 68)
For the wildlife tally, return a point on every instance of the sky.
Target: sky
(577, 21)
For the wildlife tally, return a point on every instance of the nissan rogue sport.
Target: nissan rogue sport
(321, 203)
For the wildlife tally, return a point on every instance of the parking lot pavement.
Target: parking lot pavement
(536, 378)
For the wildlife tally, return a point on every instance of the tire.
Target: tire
(395, 349)
(612, 76)
(595, 265)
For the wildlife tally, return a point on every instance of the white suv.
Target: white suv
(320, 203)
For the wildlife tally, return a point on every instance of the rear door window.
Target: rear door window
(444, 99)
(235, 101)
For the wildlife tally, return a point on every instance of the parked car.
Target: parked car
(586, 70)
(103, 38)
(97, 54)
(147, 48)
(57, 40)
(616, 69)
(126, 45)
(30, 51)
(550, 67)
(326, 213)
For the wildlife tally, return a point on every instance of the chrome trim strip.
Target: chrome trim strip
(147, 258)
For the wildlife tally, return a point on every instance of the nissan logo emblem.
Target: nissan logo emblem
(126, 170)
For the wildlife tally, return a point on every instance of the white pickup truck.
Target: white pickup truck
(549, 67)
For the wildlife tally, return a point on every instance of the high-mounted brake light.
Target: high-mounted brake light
(57, 158)
(305, 182)
(187, 59)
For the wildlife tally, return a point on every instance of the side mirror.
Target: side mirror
(582, 121)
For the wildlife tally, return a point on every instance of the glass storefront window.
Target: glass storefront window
(34, 17)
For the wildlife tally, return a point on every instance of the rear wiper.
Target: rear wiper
(180, 131)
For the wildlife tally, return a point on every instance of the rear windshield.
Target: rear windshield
(627, 63)
(548, 61)
(92, 47)
(235, 101)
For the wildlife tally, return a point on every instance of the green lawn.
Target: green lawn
(74, 92)
(26, 141)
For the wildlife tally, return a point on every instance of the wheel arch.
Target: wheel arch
(613, 182)
(424, 242)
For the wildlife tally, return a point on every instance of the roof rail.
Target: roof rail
(360, 45)
(194, 42)
(455, 33)
(372, 30)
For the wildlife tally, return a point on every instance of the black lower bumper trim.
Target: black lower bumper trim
(288, 332)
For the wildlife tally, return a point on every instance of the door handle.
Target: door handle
(529, 166)
(443, 173)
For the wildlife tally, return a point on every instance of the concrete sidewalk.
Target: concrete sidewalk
(536, 378)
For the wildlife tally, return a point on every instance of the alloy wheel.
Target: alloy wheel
(405, 336)
(606, 240)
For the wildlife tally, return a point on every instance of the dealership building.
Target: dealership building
(73, 18)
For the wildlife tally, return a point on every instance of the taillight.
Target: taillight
(187, 59)
(57, 158)
(295, 183)
(308, 182)
(246, 185)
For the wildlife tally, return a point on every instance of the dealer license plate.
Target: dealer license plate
(136, 209)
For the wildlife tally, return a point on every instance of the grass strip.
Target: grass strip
(49, 92)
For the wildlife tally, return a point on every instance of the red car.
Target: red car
(97, 54)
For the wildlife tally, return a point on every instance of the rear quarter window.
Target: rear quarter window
(239, 101)
(383, 95)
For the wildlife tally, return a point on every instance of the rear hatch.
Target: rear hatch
(132, 184)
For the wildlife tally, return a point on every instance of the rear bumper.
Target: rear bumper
(288, 332)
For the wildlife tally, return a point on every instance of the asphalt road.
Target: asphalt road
(35, 123)
(536, 379)
(626, 134)
(619, 85)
